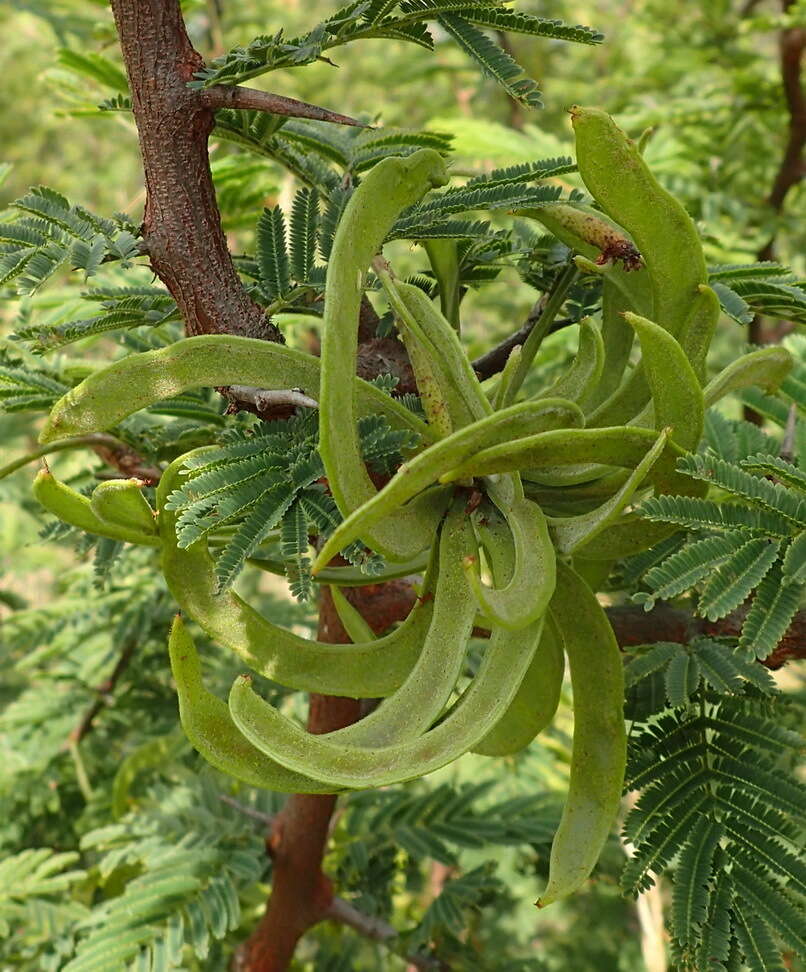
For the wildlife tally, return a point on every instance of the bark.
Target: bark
(181, 226)
(302, 895)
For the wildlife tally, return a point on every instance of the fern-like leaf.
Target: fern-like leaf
(730, 585)
(272, 257)
(493, 60)
(770, 614)
(304, 231)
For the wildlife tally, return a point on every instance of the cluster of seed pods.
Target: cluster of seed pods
(555, 474)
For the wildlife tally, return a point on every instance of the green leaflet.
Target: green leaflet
(209, 360)
(526, 595)
(278, 654)
(505, 663)
(427, 467)
(387, 189)
(599, 751)
(75, 509)
(211, 731)
(535, 702)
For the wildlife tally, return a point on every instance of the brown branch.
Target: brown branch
(493, 361)
(104, 690)
(234, 96)
(376, 930)
(181, 225)
(634, 626)
(792, 169)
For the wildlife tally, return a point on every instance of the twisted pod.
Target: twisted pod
(551, 477)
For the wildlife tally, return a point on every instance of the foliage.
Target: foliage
(125, 841)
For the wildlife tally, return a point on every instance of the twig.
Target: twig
(377, 930)
(792, 169)
(106, 687)
(264, 818)
(493, 361)
(265, 401)
(235, 96)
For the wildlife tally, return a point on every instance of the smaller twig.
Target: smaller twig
(82, 776)
(377, 930)
(264, 818)
(492, 362)
(235, 96)
(788, 445)
(266, 401)
(103, 691)
(108, 443)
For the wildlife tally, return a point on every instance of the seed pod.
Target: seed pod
(75, 509)
(599, 751)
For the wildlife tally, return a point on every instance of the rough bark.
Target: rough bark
(181, 226)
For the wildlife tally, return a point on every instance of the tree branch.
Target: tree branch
(235, 96)
(181, 225)
(634, 626)
(377, 930)
(106, 687)
(791, 44)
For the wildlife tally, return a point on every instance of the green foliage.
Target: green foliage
(44, 231)
(717, 805)
(747, 540)
(404, 20)
(267, 477)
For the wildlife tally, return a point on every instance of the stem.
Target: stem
(556, 298)
(81, 771)
(60, 446)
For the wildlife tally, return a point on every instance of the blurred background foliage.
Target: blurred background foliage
(706, 78)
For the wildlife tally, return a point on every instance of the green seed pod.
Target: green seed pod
(677, 399)
(599, 750)
(204, 361)
(573, 532)
(121, 501)
(489, 695)
(425, 468)
(386, 190)
(369, 669)
(526, 595)
(75, 509)
(580, 380)
(535, 703)
(765, 368)
(447, 349)
(572, 224)
(622, 184)
(212, 733)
